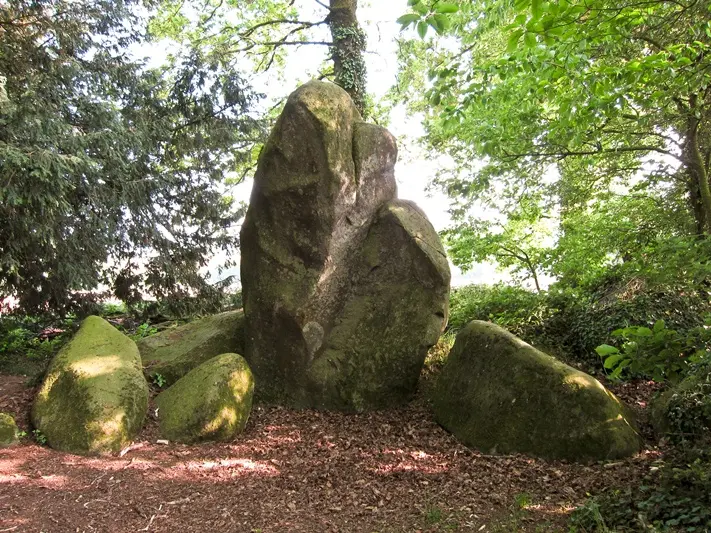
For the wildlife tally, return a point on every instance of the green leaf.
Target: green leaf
(422, 28)
(422, 9)
(659, 325)
(529, 39)
(605, 349)
(441, 23)
(512, 42)
(446, 7)
(408, 19)
(620, 368)
(612, 360)
(435, 24)
(643, 332)
(536, 9)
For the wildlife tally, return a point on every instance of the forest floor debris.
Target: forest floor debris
(299, 471)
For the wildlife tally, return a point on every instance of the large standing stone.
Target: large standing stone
(94, 397)
(175, 352)
(500, 395)
(344, 287)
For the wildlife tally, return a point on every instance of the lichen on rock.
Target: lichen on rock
(500, 395)
(210, 403)
(94, 397)
(175, 352)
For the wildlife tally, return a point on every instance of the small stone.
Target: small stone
(9, 434)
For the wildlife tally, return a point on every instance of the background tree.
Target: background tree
(110, 172)
(571, 105)
(262, 33)
(521, 243)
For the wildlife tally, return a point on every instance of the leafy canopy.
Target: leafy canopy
(577, 108)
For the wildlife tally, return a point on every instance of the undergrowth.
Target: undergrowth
(571, 323)
(28, 343)
(674, 497)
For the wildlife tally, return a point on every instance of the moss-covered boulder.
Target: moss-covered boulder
(500, 395)
(94, 397)
(9, 433)
(683, 411)
(210, 403)
(175, 352)
(344, 286)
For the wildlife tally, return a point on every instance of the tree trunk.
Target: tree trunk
(697, 207)
(349, 45)
(532, 269)
(698, 176)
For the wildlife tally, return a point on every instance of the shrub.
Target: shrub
(593, 317)
(675, 496)
(513, 308)
(683, 413)
(27, 344)
(572, 323)
(689, 408)
(659, 353)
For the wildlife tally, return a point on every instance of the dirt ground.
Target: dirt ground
(298, 471)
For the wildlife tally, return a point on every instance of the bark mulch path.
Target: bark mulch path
(297, 471)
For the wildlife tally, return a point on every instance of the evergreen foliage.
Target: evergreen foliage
(111, 172)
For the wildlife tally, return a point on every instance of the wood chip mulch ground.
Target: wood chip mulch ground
(298, 471)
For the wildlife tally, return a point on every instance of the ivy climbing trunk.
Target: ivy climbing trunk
(349, 45)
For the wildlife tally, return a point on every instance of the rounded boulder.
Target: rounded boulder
(500, 395)
(94, 398)
(210, 403)
(175, 352)
(9, 433)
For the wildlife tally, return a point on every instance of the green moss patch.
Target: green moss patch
(174, 353)
(210, 403)
(500, 395)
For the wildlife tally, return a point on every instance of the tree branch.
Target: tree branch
(571, 153)
(280, 43)
(303, 25)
